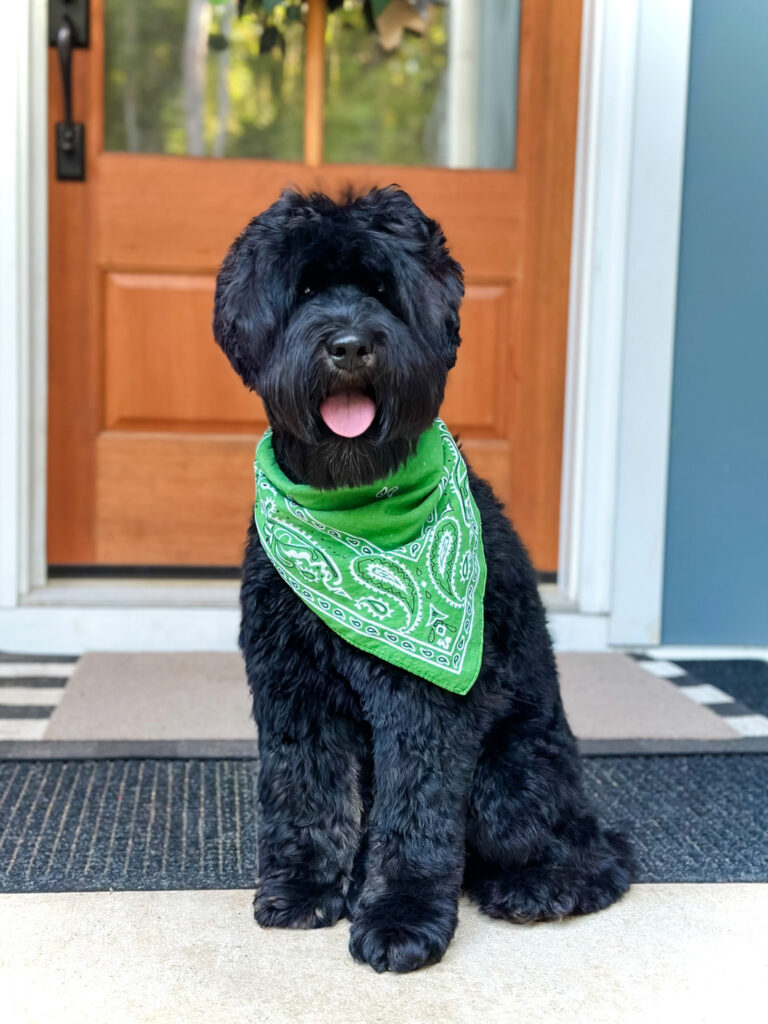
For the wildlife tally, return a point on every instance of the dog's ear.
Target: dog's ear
(251, 301)
(443, 297)
(242, 319)
(431, 282)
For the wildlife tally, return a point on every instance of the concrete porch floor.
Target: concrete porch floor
(683, 952)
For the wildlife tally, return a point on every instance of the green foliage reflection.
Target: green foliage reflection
(383, 107)
(190, 77)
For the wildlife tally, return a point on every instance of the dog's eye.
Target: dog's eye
(380, 289)
(308, 291)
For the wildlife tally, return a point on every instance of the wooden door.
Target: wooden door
(151, 434)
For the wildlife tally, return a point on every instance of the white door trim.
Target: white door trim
(596, 310)
(628, 198)
(23, 298)
(626, 219)
(655, 203)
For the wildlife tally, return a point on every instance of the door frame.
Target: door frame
(628, 196)
(628, 193)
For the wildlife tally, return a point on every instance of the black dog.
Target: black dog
(381, 795)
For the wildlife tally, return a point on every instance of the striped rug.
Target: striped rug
(31, 688)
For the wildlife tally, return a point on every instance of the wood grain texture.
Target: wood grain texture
(160, 361)
(476, 396)
(73, 365)
(173, 499)
(550, 49)
(186, 499)
(182, 213)
(314, 83)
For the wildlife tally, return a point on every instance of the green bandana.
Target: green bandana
(396, 568)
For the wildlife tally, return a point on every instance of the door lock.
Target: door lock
(67, 29)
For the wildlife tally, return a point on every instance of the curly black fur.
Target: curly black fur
(380, 794)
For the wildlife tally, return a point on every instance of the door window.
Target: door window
(195, 78)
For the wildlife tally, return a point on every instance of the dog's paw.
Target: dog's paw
(525, 896)
(292, 903)
(548, 892)
(402, 933)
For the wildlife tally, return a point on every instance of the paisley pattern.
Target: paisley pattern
(416, 603)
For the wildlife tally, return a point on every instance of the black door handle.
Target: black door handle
(68, 31)
(64, 47)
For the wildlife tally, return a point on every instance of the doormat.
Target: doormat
(132, 824)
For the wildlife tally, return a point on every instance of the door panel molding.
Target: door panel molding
(143, 209)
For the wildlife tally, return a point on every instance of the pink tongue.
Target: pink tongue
(348, 413)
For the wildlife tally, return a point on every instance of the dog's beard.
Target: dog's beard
(340, 462)
(406, 382)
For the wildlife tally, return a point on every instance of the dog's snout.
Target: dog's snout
(349, 350)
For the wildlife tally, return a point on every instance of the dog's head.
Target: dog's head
(344, 318)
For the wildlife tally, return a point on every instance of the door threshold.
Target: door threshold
(135, 593)
(163, 592)
(555, 599)
(76, 615)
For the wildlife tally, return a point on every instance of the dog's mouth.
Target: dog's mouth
(348, 412)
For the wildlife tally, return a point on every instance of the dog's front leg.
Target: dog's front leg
(310, 816)
(423, 757)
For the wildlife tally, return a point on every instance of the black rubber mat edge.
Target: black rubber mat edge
(45, 750)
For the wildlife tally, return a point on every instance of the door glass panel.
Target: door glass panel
(446, 97)
(191, 77)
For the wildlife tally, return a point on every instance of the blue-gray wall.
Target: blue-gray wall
(716, 569)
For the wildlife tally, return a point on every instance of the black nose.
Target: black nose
(349, 350)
